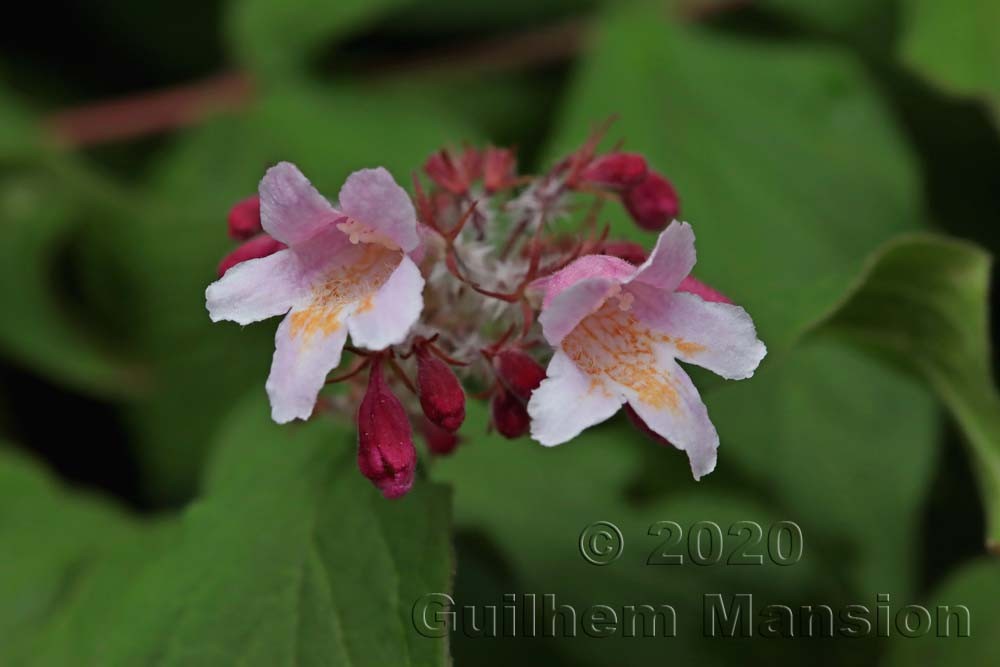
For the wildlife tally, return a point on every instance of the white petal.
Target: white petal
(567, 402)
(682, 418)
(305, 351)
(718, 336)
(387, 316)
(257, 289)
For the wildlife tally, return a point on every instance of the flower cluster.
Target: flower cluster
(473, 283)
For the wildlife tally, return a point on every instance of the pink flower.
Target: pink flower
(618, 331)
(346, 270)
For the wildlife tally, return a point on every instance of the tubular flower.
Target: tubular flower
(345, 270)
(618, 331)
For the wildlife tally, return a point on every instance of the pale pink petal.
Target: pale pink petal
(291, 209)
(568, 401)
(307, 346)
(372, 198)
(682, 419)
(257, 289)
(573, 304)
(671, 260)
(588, 266)
(718, 336)
(385, 318)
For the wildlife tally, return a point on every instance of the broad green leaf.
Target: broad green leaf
(279, 38)
(44, 198)
(292, 558)
(950, 641)
(954, 45)
(289, 557)
(801, 442)
(66, 555)
(869, 22)
(821, 433)
(923, 304)
(787, 163)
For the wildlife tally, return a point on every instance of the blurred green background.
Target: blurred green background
(840, 163)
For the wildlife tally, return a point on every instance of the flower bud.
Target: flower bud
(653, 203)
(440, 442)
(695, 286)
(616, 171)
(519, 372)
(499, 166)
(244, 218)
(386, 454)
(510, 417)
(441, 395)
(259, 246)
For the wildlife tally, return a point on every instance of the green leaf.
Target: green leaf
(976, 587)
(787, 163)
(817, 433)
(44, 197)
(290, 557)
(800, 443)
(923, 304)
(279, 38)
(869, 22)
(954, 45)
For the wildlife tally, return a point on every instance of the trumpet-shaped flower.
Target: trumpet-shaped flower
(346, 270)
(618, 331)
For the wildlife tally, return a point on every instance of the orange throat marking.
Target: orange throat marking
(352, 283)
(612, 344)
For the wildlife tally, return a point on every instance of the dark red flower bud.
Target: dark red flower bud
(259, 246)
(386, 454)
(519, 372)
(641, 425)
(441, 442)
(244, 218)
(617, 171)
(499, 168)
(510, 417)
(695, 286)
(653, 203)
(441, 395)
(631, 252)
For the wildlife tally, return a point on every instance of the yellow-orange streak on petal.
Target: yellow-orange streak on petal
(353, 282)
(613, 344)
